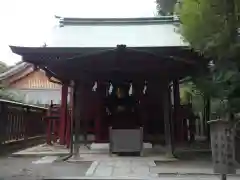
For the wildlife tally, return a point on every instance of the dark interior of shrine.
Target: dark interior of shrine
(121, 104)
(103, 78)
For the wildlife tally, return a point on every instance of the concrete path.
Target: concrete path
(125, 168)
(139, 170)
(23, 168)
(46, 160)
(42, 150)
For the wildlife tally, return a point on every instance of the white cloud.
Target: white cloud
(29, 22)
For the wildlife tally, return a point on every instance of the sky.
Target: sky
(29, 22)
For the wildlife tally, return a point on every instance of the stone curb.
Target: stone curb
(37, 154)
(194, 174)
(98, 178)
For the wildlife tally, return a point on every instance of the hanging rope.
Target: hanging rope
(110, 89)
(145, 88)
(95, 87)
(130, 92)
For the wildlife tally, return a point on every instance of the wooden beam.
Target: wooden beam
(180, 59)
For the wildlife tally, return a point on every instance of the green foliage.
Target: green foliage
(190, 94)
(221, 83)
(210, 26)
(3, 67)
(12, 95)
(185, 93)
(6, 93)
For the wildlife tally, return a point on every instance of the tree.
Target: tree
(211, 28)
(3, 67)
(5, 92)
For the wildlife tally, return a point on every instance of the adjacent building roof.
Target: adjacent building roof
(17, 71)
(108, 32)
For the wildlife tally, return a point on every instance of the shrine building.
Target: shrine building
(97, 56)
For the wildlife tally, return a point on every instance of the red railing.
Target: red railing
(20, 121)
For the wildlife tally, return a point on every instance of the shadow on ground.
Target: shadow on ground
(193, 156)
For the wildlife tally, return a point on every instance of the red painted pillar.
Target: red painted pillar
(68, 126)
(69, 118)
(101, 91)
(97, 114)
(49, 132)
(71, 98)
(63, 113)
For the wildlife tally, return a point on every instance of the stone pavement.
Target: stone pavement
(31, 168)
(185, 167)
(154, 164)
(195, 177)
(131, 168)
(43, 150)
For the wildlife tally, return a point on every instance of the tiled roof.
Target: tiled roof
(108, 32)
(19, 67)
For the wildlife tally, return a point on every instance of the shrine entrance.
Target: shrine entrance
(122, 104)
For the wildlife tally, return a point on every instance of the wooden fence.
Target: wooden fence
(20, 121)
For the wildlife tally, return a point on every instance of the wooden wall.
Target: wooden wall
(35, 87)
(34, 80)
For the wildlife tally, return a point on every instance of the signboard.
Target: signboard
(223, 147)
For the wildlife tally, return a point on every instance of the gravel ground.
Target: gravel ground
(12, 168)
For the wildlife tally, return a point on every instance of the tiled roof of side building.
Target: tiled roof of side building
(19, 67)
